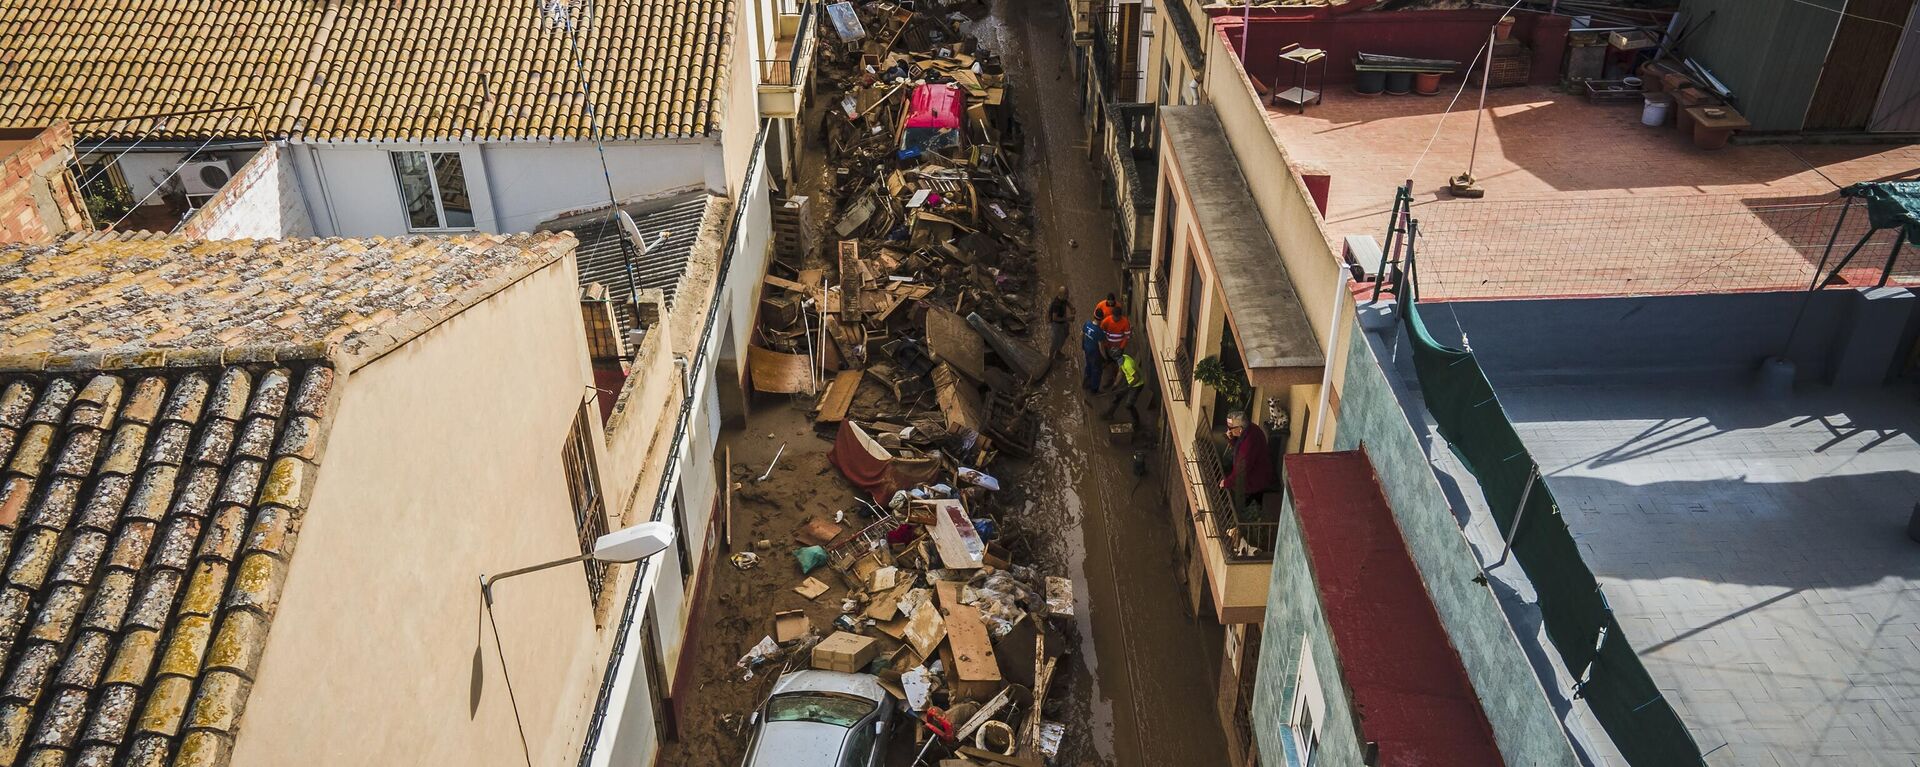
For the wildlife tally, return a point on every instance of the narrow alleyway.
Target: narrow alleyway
(1154, 669)
(1139, 689)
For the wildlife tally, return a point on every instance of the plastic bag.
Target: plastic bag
(810, 558)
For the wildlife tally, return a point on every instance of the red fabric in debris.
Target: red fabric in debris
(936, 105)
(880, 476)
(1407, 685)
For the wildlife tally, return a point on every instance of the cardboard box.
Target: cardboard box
(845, 652)
(790, 625)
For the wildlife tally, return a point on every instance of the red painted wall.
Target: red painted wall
(1455, 35)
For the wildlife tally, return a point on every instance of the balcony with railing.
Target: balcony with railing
(1234, 540)
(1133, 173)
(784, 78)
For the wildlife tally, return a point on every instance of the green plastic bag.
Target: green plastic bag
(811, 558)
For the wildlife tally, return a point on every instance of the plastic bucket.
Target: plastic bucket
(1655, 112)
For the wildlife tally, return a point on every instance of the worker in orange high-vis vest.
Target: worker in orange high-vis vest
(1118, 329)
(1104, 309)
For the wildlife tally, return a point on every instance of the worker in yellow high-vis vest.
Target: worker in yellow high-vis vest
(1131, 382)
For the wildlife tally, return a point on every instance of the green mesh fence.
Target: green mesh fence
(1616, 686)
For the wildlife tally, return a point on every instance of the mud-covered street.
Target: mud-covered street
(1135, 684)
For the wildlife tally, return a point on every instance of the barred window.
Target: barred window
(589, 507)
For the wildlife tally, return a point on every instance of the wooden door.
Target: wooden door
(1856, 65)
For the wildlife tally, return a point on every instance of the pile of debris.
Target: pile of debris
(913, 314)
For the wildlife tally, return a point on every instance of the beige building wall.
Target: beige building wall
(740, 120)
(443, 463)
(1318, 274)
(1164, 50)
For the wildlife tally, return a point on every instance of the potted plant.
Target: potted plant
(1231, 384)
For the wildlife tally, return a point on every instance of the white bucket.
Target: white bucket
(1655, 113)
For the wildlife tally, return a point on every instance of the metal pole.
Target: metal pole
(1831, 239)
(1794, 330)
(1513, 528)
(1887, 272)
(1485, 75)
(1326, 364)
(487, 581)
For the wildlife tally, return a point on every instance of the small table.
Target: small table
(1713, 125)
(1304, 58)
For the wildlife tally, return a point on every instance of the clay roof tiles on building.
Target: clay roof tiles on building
(147, 518)
(102, 300)
(342, 70)
(163, 409)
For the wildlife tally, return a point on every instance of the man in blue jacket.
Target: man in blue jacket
(1090, 338)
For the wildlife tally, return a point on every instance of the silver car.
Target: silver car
(822, 719)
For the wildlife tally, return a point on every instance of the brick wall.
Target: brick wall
(261, 201)
(38, 201)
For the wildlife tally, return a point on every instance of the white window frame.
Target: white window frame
(1308, 712)
(433, 182)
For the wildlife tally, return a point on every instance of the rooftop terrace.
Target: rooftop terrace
(1753, 547)
(1583, 200)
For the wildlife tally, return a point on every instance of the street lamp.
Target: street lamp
(630, 544)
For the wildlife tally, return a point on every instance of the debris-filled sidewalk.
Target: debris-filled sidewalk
(906, 325)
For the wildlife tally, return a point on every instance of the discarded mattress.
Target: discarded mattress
(870, 467)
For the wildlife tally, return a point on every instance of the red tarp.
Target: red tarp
(936, 106)
(871, 468)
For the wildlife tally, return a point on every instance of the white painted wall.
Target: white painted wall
(535, 182)
(697, 484)
(145, 170)
(352, 190)
(262, 201)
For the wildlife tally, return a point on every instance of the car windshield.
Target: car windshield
(825, 708)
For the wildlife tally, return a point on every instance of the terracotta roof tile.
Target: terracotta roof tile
(347, 70)
(138, 589)
(82, 300)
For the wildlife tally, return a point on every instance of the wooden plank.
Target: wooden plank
(778, 373)
(726, 524)
(839, 397)
(947, 594)
(851, 280)
(786, 284)
(953, 535)
(988, 756)
(1030, 734)
(975, 671)
(953, 341)
(926, 630)
(959, 399)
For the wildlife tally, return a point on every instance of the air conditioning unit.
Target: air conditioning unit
(205, 177)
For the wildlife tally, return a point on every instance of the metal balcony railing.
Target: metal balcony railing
(780, 71)
(1227, 516)
(1170, 371)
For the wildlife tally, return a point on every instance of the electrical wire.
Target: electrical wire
(108, 165)
(1485, 50)
(163, 182)
(1900, 27)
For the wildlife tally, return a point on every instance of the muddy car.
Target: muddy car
(822, 719)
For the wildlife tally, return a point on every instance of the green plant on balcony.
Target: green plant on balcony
(1231, 384)
(108, 203)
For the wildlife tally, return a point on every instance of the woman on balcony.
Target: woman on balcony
(1249, 480)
